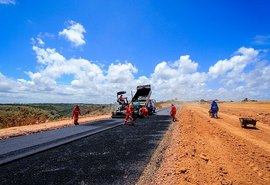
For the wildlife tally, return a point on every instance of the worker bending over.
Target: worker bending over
(143, 111)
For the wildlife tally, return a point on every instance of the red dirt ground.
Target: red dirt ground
(28, 129)
(202, 150)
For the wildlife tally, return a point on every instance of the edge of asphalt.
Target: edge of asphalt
(25, 152)
(22, 153)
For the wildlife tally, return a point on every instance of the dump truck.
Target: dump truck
(141, 98)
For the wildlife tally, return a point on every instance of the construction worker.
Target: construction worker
(131, 106)
(143, 112)
(136, 105)
(128, 116)
(214, 109)
(146, 112)
(122, 99)
(76, 112)
(173, 113)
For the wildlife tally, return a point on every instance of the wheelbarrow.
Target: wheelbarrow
(247, 121)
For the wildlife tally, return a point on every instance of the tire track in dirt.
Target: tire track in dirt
(260, 137)
(201, 150)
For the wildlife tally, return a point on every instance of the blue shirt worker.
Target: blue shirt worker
(214, 109)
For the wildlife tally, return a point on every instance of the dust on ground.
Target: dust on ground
(202, 150)
(29, 129)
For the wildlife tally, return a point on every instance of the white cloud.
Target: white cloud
(37, 41)
(6, 84)
(186, 65)
(40, 41)
(47, 56)
(179, 79)
(121, 73)
(74, 33)
(235, 64)
(7, 1)
(61, 79)
(261, 40)
(243, 75)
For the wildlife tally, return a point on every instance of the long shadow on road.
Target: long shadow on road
(115, 156)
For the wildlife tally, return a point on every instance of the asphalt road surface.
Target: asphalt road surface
(22, 146)
(115, 156)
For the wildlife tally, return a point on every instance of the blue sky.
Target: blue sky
(185, 49)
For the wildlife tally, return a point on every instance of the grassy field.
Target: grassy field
(27, 114)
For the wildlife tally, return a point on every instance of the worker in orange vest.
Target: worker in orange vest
(128, 116)
(131, 106)
(145, 114)
(143, 111)
(173, 113)
(76, 112)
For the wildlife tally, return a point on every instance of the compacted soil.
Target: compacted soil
(198, 149)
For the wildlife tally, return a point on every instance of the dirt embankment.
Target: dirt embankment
(29, 129)
(202, 150)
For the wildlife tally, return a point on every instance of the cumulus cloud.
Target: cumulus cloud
(62, 79)
(74, 33)
(243, 75)
(235, 64)
(7, 1)
(88, 81)
(179, 79)
(48, 55)
(120, 73)
(6, 84)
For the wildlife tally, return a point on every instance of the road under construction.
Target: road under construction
(117, 154)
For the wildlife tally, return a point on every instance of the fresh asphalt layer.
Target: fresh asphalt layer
(114, 156)
(22, 146)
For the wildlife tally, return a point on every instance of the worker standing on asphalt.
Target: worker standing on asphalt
(128, 116)
(76, 112)
(173, 113)
(131, 106)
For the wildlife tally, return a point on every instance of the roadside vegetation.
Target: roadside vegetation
(28, 114)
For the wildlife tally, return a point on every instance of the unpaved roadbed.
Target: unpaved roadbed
(203, 150)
